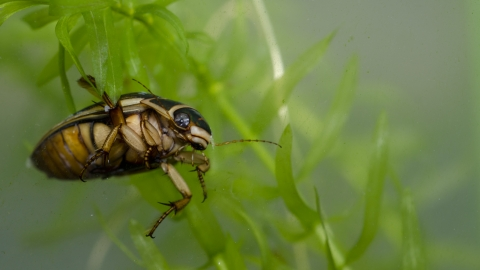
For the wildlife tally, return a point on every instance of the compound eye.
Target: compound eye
(182, 120)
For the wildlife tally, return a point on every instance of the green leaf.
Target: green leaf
(114, 238)
(278, 94)
(170, 18)
(104, 44)
(10, 8)
(201, 37)
(231, 258)
(39, 18)
(230, 207)
(78, 40)
(374, 190)
(151, 256)
(242, 126)
(131, 58)
(237, 43)
(62, 30)
(286, 184)
(336, 118)
(414, 257)
(166, 38)
(206, 228)
(327, 246)
(62, 7)
(63, 78)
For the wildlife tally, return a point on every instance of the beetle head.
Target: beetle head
(196, 129)
(188, 122)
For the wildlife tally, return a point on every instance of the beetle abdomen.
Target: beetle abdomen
(64, 154)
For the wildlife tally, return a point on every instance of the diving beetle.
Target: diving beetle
(140, 132)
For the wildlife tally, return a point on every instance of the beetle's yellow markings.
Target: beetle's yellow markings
(133, 122)
(100, 132)
(117, 151)
(44, 161)
(75, 144)
(59, 166)
(133, 139)
(150, 132)
(133, 156)
(87, 138)
(162, 111)
(65, 155)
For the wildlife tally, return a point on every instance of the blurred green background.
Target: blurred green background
(384, 114)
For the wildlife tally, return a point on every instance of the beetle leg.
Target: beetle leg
(202, 182)
(150, 133)
(202, 165)
(147, 156)
(181, 186)
(107, 145)
(133, 139)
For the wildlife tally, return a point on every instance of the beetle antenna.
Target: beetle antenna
(242, 141)
(97, 103)
(143, 86)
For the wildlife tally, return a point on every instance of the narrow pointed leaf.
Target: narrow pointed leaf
(374, 190)
(266, 255)
(63, 78)
(279, 93)
(107, 68)
(161, 29)
(151, 256)
(78, 40)
(114, 238)
(201, 37)
(242, 126)
(131, 57)
(171, 19)
(286, 184)
(336, 118)
(237, 44)
(10, 8)
(414, 257)
(327, 247)
(62, 30)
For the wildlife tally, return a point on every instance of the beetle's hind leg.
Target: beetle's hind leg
(104, 151)
(176, 206)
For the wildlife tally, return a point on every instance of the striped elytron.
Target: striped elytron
(140, 132)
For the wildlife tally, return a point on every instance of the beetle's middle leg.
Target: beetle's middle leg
(181, 186)
(202, 165)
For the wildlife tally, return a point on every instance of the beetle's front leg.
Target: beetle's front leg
(107, 145)
(181, 186)
(202, 162)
